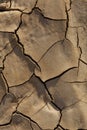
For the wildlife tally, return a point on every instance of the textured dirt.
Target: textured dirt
(43, 64)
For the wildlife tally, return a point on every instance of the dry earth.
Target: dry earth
(43, 64)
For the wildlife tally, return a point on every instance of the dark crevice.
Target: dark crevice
(58, 76)
(6, 124)
(70, 5)
(78, 46)
(18, 26)
(45, 16)
(35, 4)
(62, 127)
(45, 87)
(60, 110)
(2, 9)
(83, 61)
(1, 68)
(77, 39)
(59, 126)
(56, 127)
(67, 21)
(28, 118)
(10, 9)
(48, 17)
(10, 3)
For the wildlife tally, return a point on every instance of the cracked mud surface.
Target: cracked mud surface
(43, 65)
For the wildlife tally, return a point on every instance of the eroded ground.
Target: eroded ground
(43, 64)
